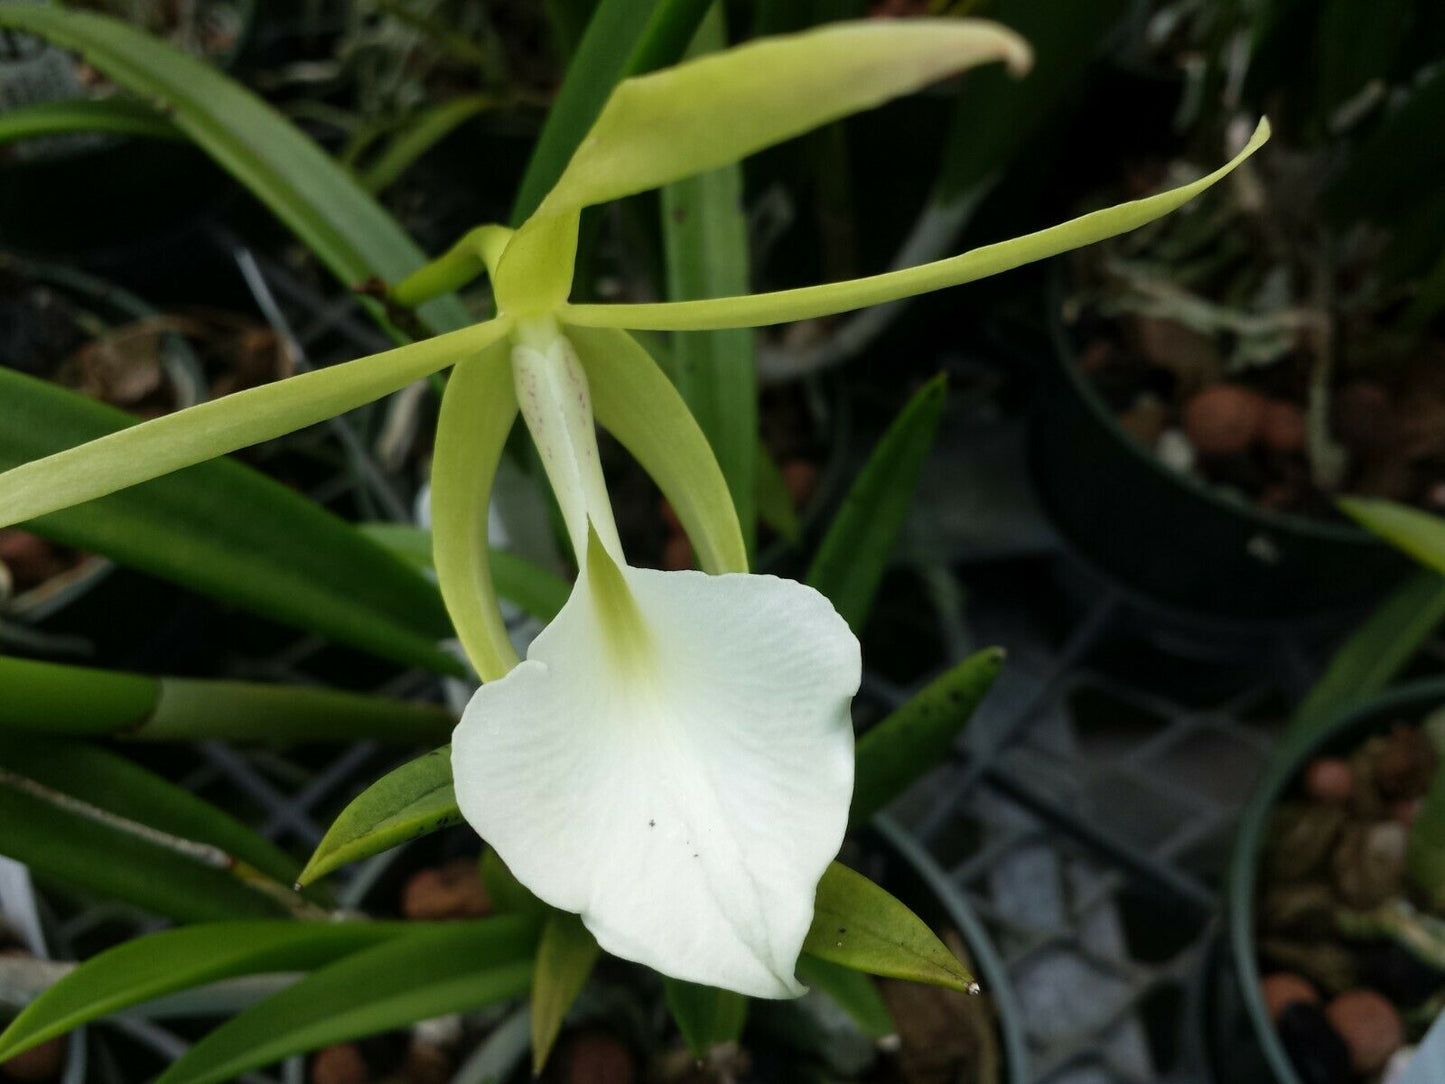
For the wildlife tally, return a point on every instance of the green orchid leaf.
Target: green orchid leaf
(147, 968)
(920, 734)
(705, 240)
(808, 302)
(717, 109)
(634, 401)
(122, 853)
(774, 500)
(478, 409)
(508, 896)
(622, 38)
(528, 586)
(410, 801)
(50, 698)
(109, 782)
(566, 956)
(1425, 853)
(427, 972)
(853, 555)
(77, 701)
(1410, 530)
(424, 131)
(860, 926)
(302, 185)
(1376, 652)
(148, 450)
(854, 992)
(706, 1016)
(117, 116)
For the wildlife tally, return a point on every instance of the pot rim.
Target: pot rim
(1263, 519)
(1283, 769)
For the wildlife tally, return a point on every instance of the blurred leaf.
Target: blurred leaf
(635, 402)
(705, 240)
(706, 1016)
(423, 132)
(413, 800)
(855, 993)
(427, 972)
(853, 555)
(146, 968)
(860, 926)
(528, 586)
(508, 895)
(775, 502)
(1425, 855)
(1376, 651)
(114, 784)
(920, 734)
(119, 116)
(1416, 533)
(623, 37)
(115, 854)
(478, 409)
(1355, 44)
(566, 956)
(222, 529)
(61, 700)
(314, 196)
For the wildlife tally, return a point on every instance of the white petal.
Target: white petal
(684, 803)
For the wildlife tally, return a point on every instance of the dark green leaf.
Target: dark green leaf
(150, 967)
(229, 532)
(336, 218)
(860, 926)
(706, 1016)
(565, 958)
(1375, 652)
(775, 502)
(920, 734)
(77, 701)
(411, 801)
(855, 993)
(705, 238)
(428, 972)
(623, 38)
(425, 130)
(120, 116)
(854, 553)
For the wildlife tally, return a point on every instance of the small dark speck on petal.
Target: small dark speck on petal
(652, 824)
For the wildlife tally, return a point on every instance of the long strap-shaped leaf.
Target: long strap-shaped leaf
(151, 449)
(720, 108)
(318, 199)
(808, 302)
(229, 532)
(427, 973)
(150, 967)
(57, 699)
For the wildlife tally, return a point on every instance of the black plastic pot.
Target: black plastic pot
(1173, 538)
(1341, 732)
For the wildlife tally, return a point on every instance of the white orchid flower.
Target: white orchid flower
(673, 761)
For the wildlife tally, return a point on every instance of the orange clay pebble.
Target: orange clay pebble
(677, 553)
(1370, 1027)
(1282, 989)
(1406, 810)
(341, 1064)
(1224, 420)
(1330, 779)
(1284, 426)
(451, 891)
